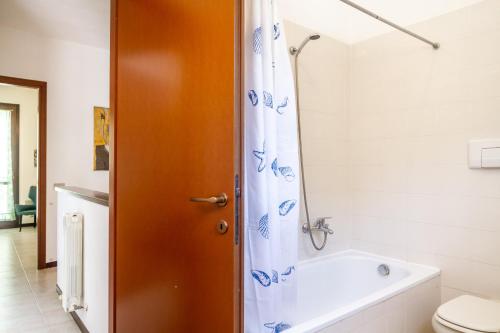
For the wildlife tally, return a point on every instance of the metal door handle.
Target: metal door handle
(220, 200)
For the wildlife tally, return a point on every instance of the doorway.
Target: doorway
(23, 164)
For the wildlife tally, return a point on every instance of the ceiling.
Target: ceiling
(81, 21)
(87, 21)
(344, 23)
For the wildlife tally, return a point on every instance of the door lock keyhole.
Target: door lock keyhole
(222, 227)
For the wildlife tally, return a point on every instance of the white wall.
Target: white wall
(27, 99)
(412, 111)
(77, 79)
(95, 258)
(324, 124)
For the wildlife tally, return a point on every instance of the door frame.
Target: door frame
(42, 162)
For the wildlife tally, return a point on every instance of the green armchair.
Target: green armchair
(27, 210)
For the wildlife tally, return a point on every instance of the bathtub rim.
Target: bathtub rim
(419, 274)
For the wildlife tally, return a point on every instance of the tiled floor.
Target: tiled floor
(28, 298)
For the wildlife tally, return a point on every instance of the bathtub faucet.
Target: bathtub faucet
(319, 225)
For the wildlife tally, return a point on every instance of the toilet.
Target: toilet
(467, 314)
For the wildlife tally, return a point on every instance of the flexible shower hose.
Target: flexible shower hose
(301, 160)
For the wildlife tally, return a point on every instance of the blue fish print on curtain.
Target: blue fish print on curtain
(276, 31)
(287, 273)
(277, 328)
(264, 226)
(262, 278)
(282, 106)
(268, 99)
(287, 206)
(287, 173)
(254, 99)
(274, 167)
(275, 277)
(261, 156)
(257, 40)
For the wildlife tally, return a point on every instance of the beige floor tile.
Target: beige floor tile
(22, 324)
(48, 303)
(43, 287)
(19, 311)
(9, 267)
(16, 299)
(69, 327)
(14, 289)
(28, 300)
(15, 273)
(35, 275)
(58, 316)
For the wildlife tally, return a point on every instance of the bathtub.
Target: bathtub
(337, 291)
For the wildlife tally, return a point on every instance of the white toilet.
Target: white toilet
(467, 314)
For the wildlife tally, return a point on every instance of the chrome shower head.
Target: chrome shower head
(296, 51)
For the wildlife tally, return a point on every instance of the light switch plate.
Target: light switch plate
(484, 153)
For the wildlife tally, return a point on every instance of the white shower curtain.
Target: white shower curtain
(271, 174)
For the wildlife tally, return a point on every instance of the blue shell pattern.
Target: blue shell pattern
(287, 273)
(288, 270)
(286, 207)
(257, 40)
(254, 99)
(275, 277)
(276, 31)
(277, 328)
(282, 105)
(261, 277)
(261, 156)
(274, 167)
(268, 99)
(287, 173)
(264, 226)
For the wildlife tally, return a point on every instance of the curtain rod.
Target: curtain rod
(394, 25)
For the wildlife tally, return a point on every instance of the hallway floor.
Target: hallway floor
(28, 298)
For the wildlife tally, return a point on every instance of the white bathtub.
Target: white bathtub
(335, 287)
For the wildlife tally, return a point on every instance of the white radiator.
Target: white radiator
(72, 265)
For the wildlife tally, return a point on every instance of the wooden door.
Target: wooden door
(175, 133)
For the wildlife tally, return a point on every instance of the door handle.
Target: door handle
(219, 200)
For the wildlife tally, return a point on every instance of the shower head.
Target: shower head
(296, 51)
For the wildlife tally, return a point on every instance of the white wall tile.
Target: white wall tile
(412, 112)
(323, 75)
(386, 130)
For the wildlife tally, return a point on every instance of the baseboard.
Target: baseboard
(51, 264)
(14, 224)
(79, 322)
(8, 224)
(74, 315)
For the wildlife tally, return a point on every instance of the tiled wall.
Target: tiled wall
(386, 126)
(324, 73)
(412, 112)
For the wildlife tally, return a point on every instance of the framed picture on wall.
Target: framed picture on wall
(101, 138)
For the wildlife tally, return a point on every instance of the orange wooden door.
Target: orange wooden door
(175, 129)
